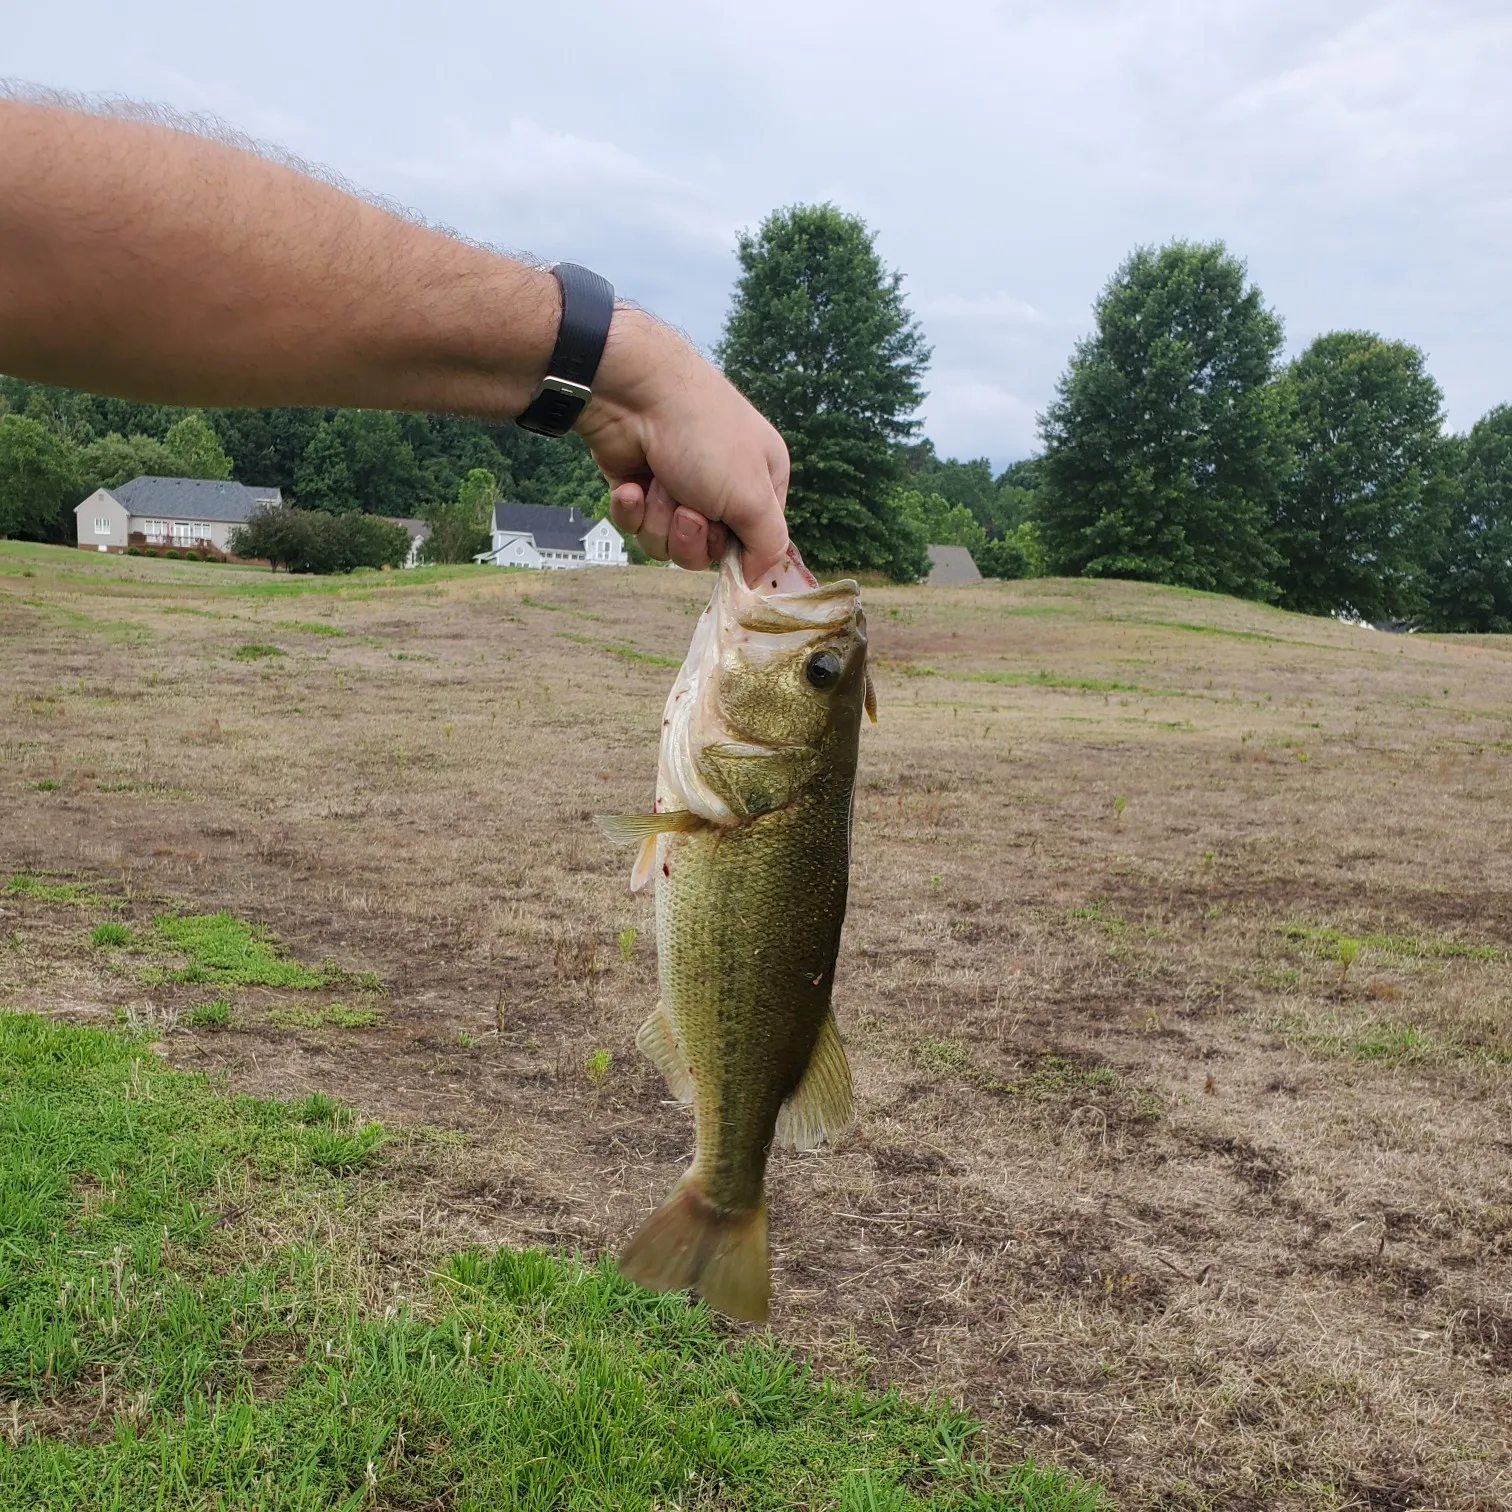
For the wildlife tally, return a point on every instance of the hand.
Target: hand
(689, 461)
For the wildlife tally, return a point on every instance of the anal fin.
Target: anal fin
(822, 1106)
(657, 1042)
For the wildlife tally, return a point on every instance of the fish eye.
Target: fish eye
(823, 670)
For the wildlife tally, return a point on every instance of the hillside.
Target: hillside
(1178, 976)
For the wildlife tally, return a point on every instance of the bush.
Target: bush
(308, 540)
(133, 551)
(1015, 555)
(171, 553)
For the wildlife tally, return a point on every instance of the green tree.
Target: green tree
(1472, 585)
(38, 480)
(116, 459)
(1017, 553)
(819, 339)
(196, 448)
(1358, 521)
(360, 460)
(311, 540)
(940, 522)
(1164, 448)
(460, 527)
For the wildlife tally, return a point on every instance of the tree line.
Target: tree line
(1178, 448)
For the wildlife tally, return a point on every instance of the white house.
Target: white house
(183, 512)
(418, 532)
(542, 535)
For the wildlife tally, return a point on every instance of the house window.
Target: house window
(102, 525)
(156, 531)
(201, 532)
(183, 532)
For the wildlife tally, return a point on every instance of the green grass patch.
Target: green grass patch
(256, 651)
(226, 950)
(109, 933)
(311, 627)
(1041, 680)
(1046, 1076)
(45, 785)
(164, 1348)
(216, 1014)
(1328, 941)
(331, 1016)
(625, 653)
(29, 885)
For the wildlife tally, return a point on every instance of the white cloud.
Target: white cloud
(1009, 153)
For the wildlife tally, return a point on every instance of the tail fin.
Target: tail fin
(687, 1241)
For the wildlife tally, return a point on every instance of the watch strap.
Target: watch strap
(587, 309)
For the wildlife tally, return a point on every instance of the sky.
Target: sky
(1008, 156)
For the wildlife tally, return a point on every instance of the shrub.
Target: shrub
(308, 540)
(133, 551)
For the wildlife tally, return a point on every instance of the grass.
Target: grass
(229, 951)
(330, 1016)
(166, 1345)
(311, 627)
(110, 934)
(28, 885)
(256, 651)
(980, 1217)
(1337, 944)
(216, 1014)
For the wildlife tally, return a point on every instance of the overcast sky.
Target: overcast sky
(1358, 155)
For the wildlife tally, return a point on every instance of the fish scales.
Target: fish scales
(749, 851)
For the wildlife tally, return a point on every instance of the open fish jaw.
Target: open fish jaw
(787, 608)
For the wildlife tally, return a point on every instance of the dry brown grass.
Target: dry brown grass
(1148, 1172)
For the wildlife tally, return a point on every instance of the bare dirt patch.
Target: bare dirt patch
(1146, 1172)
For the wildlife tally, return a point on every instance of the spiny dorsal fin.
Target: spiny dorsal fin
(822, 1106)
(657, 1042)
(633, 829)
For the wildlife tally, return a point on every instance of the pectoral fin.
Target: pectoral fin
(822, 1106)
(634, 829)
(642, 830)
(871, 697)
(657, 1042)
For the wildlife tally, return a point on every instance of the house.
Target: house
(952, 566)
(542, 535)
(419, 533)
(183, 512)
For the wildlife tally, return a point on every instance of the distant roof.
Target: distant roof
(554, 528)
(417, 530)
(192, 498)
(952, 566)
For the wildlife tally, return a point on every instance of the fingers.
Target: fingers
(627, 508)
(688, 539)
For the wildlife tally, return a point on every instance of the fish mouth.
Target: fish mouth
(785, 605)
(786, 598)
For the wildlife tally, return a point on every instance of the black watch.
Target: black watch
(587, 308)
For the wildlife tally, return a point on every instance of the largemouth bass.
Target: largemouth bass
(749, 851)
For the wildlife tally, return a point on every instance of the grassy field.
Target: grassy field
(1178, 984)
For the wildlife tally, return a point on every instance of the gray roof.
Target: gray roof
(417, 530)
(554, 529)
(952, 566)
(192, 499)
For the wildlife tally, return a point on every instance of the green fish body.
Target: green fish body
(749, 851)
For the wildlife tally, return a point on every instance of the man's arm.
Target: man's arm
(153, 264)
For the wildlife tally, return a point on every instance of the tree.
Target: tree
(360, 460)
(38, 479)
(1472, 585)
(1164, 451)
(940, 522)
(309, 540)
(196, 448)
(1358, 521)
(460, 528)
(116, 459)
(819, 339)
(1015, 554)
